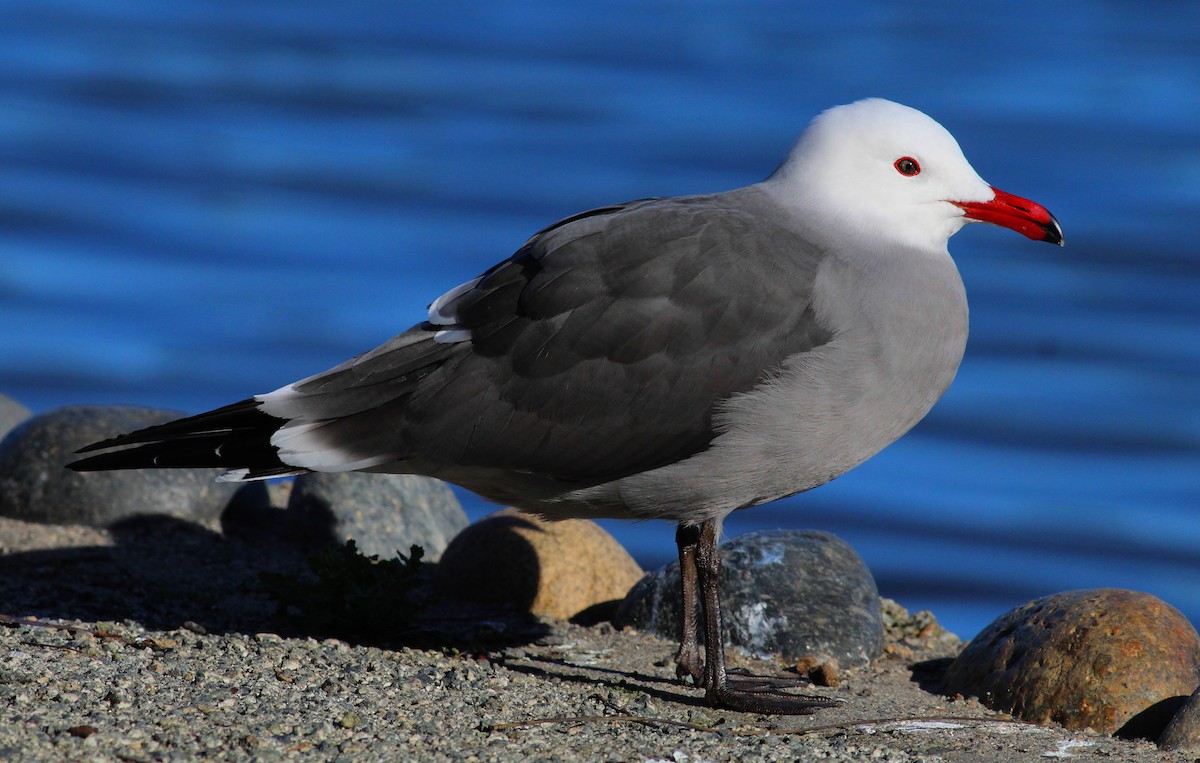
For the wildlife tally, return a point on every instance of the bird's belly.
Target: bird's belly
(826, 412)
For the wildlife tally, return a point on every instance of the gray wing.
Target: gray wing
(598, 350)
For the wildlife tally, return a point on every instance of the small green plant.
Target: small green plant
(353, 596)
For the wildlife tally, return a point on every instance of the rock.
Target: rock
(11, 414)
(385, 514)
(556, 569)
(913, 636)
(36, 486)
(799, 593)
(1183, 732)
(819, 671)
(1106, 659)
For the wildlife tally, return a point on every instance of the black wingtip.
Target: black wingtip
(111, 442)
(103, 462)
(242, 416)
(236, 437)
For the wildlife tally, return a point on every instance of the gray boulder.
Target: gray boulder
(383, 513)
(798, 593)
(36, 486)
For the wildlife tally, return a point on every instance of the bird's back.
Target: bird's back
(602, 349)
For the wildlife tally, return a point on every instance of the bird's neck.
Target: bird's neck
(833, 221)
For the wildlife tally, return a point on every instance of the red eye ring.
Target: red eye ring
(907, 166)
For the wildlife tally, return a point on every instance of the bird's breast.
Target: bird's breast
(898, 336)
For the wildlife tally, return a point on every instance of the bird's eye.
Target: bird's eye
(907, 166)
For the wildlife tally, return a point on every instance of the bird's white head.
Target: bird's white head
(891, 174)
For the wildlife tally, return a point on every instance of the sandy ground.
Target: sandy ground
(175, 653)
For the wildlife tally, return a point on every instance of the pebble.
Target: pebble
(36, 486)
(11, 414)
(384, 514)
(801, 593)
(566, 569)
(1112, 660)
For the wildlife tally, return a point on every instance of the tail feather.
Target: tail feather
(236, 437)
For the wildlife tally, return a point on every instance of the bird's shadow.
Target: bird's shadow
(160, 572)
(165, 573)
(546, 668)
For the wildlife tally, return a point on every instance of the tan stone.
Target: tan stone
(555, 569)
(1107, 659)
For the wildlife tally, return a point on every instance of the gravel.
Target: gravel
(220, 680)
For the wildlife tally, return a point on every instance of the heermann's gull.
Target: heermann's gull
(671, 358)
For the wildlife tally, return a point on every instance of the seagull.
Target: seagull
(666, 358)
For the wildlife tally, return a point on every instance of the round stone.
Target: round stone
(36, 486)
(798, 593)
(384, 514)
(1183, 732)
(1106, 659)
(11, 414)
(566, 569)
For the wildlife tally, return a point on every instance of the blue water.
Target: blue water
(200, 200)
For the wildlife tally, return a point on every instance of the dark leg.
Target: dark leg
(753, 695)
(687, 660)
(708, 568)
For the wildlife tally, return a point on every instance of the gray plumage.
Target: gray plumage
(588, 360)
(674, 358)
